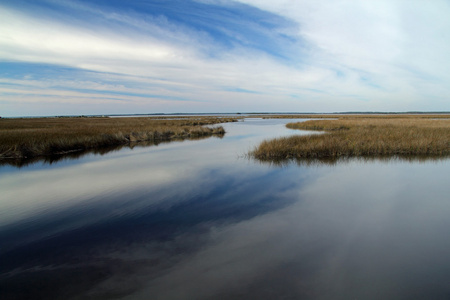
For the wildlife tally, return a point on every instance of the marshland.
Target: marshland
(201, 219)
(363, 136)
(32, 137)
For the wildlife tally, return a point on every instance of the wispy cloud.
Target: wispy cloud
(206, 56)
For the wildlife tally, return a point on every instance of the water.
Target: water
(199, 220)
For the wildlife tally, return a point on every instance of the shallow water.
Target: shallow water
(200, 220)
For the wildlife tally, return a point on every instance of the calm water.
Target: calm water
(199, 220)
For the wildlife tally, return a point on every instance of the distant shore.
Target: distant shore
(25, 138)
(362, 136)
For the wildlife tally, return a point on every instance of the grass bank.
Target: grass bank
(35, 137)
(361, 136)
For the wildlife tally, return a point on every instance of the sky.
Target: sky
(80, 57)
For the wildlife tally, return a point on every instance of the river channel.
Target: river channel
(202, 220)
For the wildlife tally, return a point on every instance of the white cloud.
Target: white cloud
(349, 55)
(27, 38)
(397, 43)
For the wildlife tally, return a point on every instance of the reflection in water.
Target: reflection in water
(196, 220)
(309, 162)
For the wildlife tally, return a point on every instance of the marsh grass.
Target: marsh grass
(361, 137)
(357, 116)
(50, 159)
(28, 138)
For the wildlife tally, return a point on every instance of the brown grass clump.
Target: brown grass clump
(27, 138)
(357, 116)
(361, 137)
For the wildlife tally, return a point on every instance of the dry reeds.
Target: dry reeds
(357, 116)
(361, 137)
(26, 138)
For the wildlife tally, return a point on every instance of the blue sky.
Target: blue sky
(110, 57)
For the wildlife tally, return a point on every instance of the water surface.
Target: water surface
(199, 220)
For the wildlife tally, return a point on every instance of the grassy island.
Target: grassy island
(35, 137)
(362, 136)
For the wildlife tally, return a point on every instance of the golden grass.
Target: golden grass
(359, 136)
(26, 138)
(356, 116)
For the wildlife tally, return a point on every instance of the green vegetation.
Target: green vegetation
(37, 137)
(362, 136)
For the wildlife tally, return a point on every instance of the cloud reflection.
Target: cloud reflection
(355, 231)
